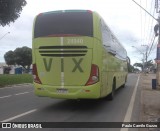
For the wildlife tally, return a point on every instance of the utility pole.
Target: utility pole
(158, 57)
(158, 45)
(157, 4)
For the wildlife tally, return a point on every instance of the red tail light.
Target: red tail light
(94, 76)
(35, 74)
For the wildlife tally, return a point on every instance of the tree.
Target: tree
(148, 64)
(130, 68)
(23, 57)
(10, 10)
(138, 65)
(9, 58)
(20, 56)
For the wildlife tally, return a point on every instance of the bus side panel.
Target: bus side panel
(108, 72)
(112, 67)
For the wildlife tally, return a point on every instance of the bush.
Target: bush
(15, 79)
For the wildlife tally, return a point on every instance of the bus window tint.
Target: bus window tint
(74, 23)
(106, 36)
(111, 43)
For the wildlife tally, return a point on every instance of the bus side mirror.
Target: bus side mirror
(128, 60)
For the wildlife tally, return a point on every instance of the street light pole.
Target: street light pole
(4, 35)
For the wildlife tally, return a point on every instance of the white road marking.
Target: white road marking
(13, 95)
(5, 87)
(128, 115)
(20, 115)
(21, 93)
(5, 96)
(15, 86)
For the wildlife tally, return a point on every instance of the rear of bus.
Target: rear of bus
(66, 54)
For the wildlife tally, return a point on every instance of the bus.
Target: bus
(76, 56)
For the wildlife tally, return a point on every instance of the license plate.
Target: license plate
(62, 91)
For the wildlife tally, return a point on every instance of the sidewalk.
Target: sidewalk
(150, 101)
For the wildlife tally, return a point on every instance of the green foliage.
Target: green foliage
(15, 79)
(20, 56)
(149, 63)
(10, 10)
(23, 56)
(138, 65)
(6, 70)
(130, 68)
(10, 58)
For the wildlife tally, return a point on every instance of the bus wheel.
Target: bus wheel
(111, 95)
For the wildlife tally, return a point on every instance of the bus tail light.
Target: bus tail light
(94, 76)
(35, 74)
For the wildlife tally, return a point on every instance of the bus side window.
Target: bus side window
(113, 44)
(105, 35)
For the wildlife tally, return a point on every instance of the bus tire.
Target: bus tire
(111, 95)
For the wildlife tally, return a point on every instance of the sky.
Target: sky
(130, 24)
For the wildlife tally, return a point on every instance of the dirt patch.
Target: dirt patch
(150, 102)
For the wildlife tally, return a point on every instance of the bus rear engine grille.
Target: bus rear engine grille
(62, 51)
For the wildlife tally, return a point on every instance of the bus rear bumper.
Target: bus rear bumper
(68, 92)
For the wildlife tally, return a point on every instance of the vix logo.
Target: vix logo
(47, 64)
(77, 64)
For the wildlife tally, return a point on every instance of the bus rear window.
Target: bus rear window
(63, 23)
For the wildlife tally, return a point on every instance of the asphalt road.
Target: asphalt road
(19, 104)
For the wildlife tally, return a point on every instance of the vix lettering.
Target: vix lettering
(77, 64)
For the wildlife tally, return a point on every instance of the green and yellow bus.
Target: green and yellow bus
(76, 56)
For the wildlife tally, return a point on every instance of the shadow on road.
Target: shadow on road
(82, 104)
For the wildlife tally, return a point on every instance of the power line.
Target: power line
(155, 45)
(151, 46)
(145, 10)
(150, 30)
(149, 38)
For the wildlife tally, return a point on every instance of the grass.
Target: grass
(15, 79)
